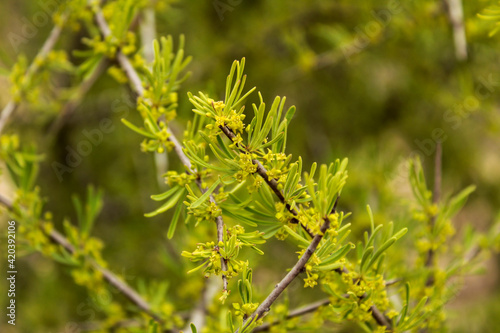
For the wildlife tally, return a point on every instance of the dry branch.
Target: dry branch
(109, 276)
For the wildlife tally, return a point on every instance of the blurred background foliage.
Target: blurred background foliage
(372, 81)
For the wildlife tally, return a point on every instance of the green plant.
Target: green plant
(236, 189)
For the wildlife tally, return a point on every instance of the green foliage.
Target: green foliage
(239, 191)
(159, 103)
(87, 213)
(22, 165)
(492, 13)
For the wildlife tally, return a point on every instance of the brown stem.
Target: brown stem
(436, 196)
(294, 313)
(438, 166)
(392, 282)
(456, 17)
(379, 317)
(265, 306)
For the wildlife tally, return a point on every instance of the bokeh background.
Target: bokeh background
(373, 81)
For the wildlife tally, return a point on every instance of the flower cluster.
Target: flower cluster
(8, 144)
(27, 87)
(282, 213)
(85, 247)
(232, 119)
(159, 104)
(282, 234)
(429, 240)
(160, 143)
(88, 277)
(363, 294)
(243, 238)
(244, 310)
(173, 178)
(312, 277)
(92, 279)
(271, 157)
(255, 184)
(247, 167)
(118, 74)
(205, 212)
(210, 254)
(310, 218)
(110, 44)
(55, 59)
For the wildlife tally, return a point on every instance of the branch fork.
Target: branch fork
(271, 182)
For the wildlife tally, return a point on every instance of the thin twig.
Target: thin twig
(96, 326)
(380, 318)
(308, 308)
(136, 84)
(456, 16)
(265, 306)
(49, 44)
(271, 182)
(220, 235)
(6, 202)
(6, 112)
(473, 253)
(392, 282)
(109, 276)
(436, 196)
(294, 313)
(438, 167)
